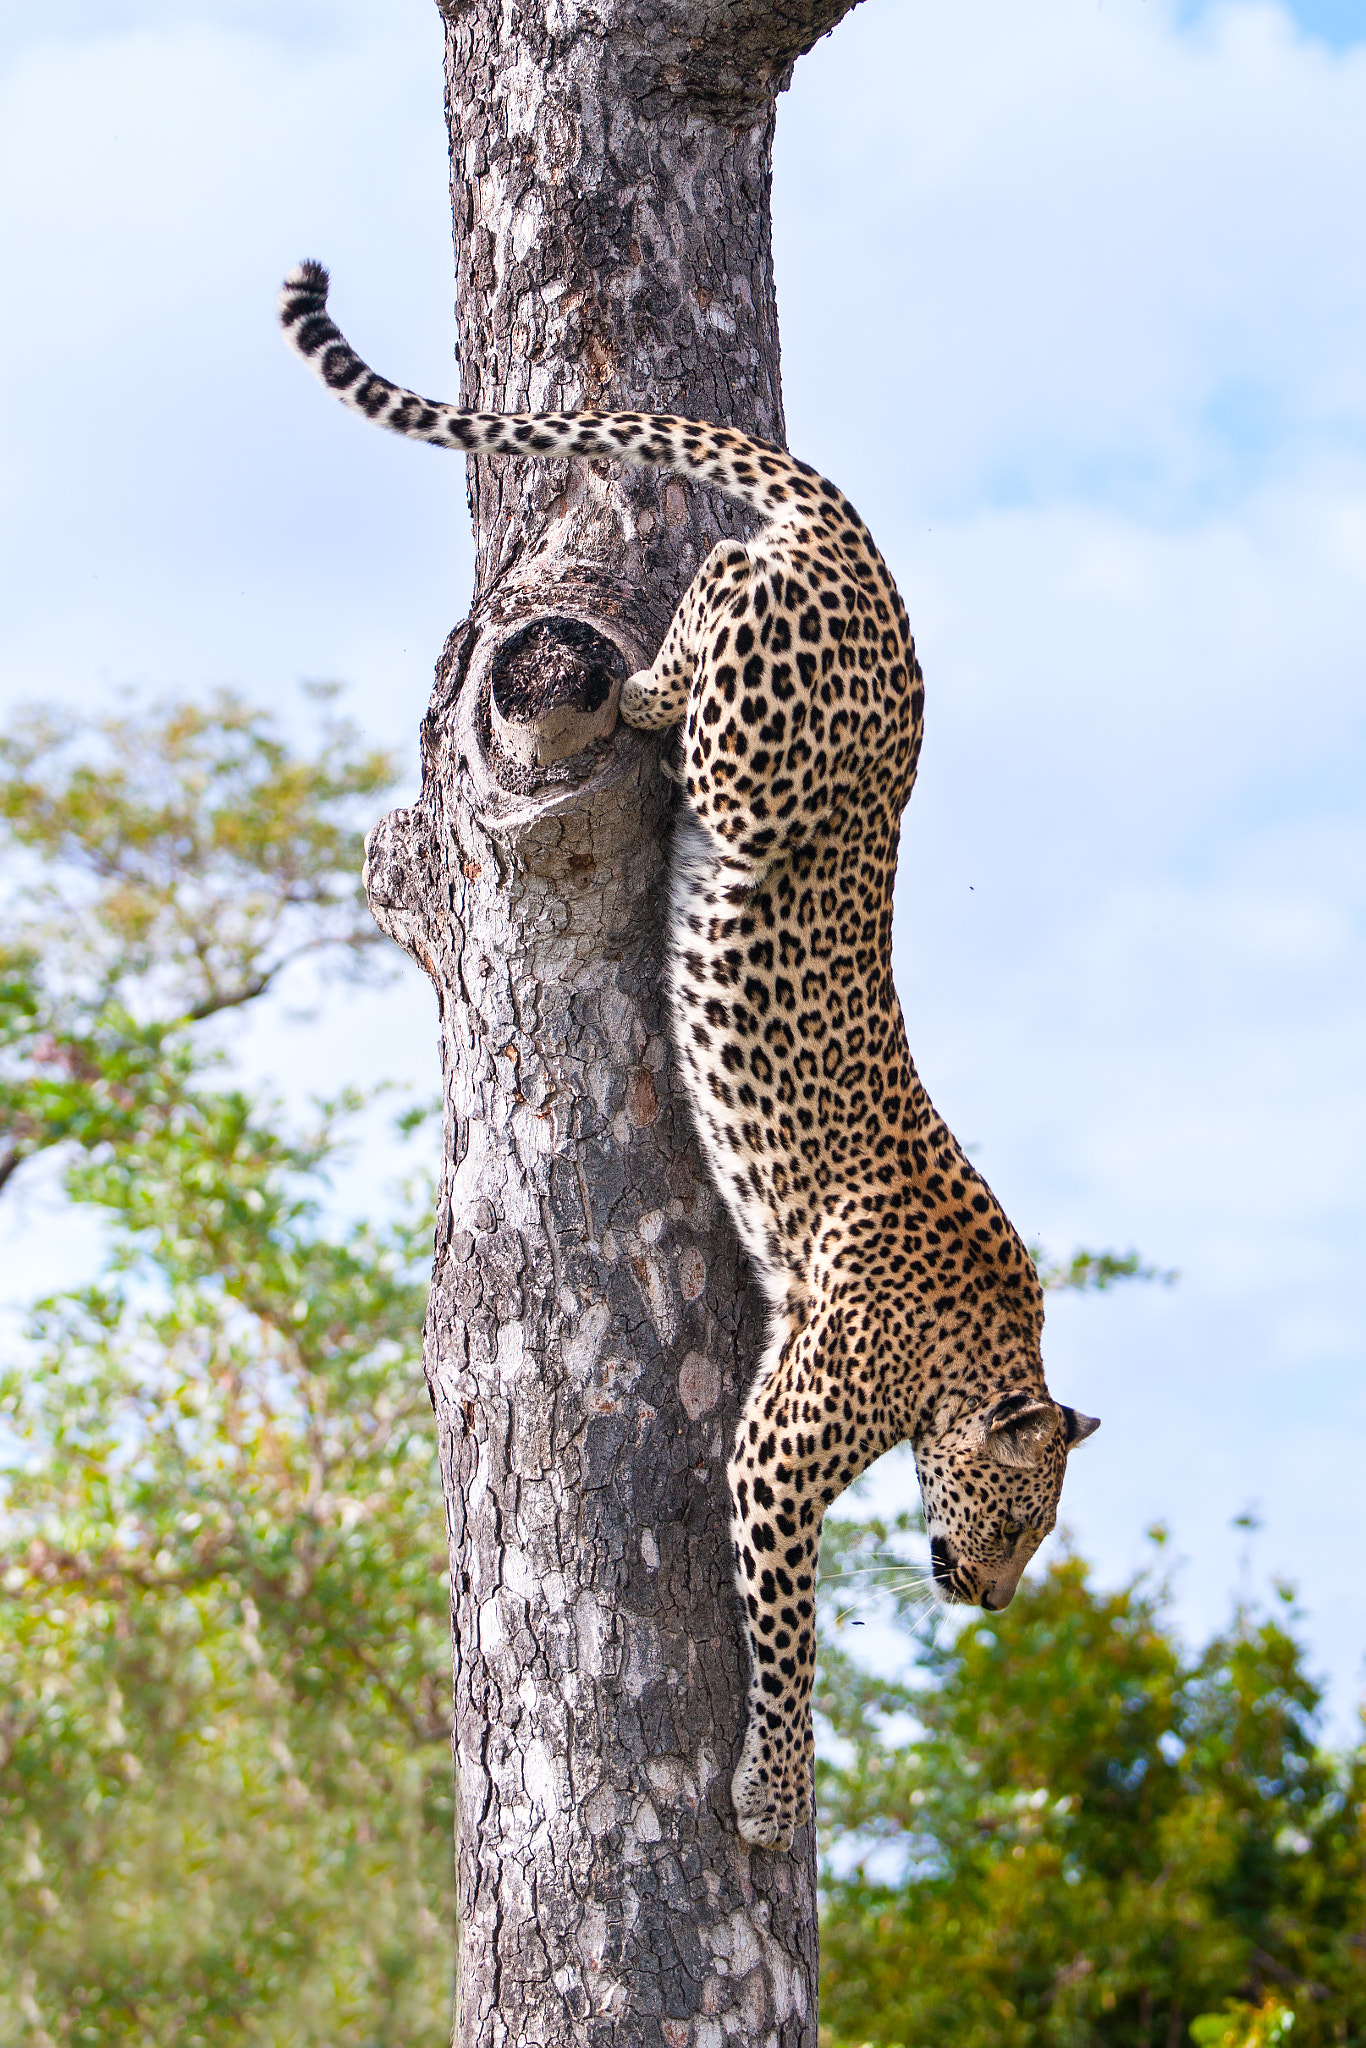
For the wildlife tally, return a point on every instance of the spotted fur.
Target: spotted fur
(902, 1303)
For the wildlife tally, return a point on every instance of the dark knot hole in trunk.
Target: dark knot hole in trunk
(556, 666)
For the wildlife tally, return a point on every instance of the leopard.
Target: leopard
(901, 1304)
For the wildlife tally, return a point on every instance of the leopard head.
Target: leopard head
(990, 1483)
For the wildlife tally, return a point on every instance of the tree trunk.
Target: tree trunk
(592, 1324)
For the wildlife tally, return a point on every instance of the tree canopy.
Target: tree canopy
(1063, 1826)
(162, 868)
(225, 1790)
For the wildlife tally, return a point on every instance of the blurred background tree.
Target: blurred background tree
(1064, 1827)
(225, 1788)
(162, 868)
(225, 1785)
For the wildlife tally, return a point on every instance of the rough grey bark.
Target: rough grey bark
(591, 1323)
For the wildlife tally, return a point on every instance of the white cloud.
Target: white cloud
(184, 506)
(1092, 254)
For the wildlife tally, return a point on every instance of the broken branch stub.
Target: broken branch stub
(553, 690)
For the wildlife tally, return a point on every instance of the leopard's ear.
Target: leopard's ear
(1076, 1428)
(1019, 1429)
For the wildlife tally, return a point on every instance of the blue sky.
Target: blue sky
(1339, 24)
(1074, 307)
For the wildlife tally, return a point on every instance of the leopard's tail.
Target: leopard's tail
(767, 478)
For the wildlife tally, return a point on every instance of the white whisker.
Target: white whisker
(891, 1564)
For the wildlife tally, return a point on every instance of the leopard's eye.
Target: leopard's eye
(1010, 1530)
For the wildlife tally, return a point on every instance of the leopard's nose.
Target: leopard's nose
(1002, 1589)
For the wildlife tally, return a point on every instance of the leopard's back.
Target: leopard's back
(799, 751)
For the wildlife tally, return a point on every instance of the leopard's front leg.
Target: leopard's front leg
(777, 1511)
(805, 1434)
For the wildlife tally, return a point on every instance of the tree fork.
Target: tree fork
(591, 1324)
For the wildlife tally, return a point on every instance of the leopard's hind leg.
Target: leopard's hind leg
(658, 696)
(729, 667)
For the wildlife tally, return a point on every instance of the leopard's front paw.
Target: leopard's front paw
(768, 1793)
(764, 1829)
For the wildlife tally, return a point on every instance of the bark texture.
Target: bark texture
(591, 1325)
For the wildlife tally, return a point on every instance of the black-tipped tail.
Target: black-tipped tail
(766, 478)
(309, 329)
(313, 334)
(304, 290)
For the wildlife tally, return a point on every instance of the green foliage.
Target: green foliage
(162, 869)
(225, 1786)
(1095, 1272)
(224, 1762)
(1061, 1828)
(1244, 2026)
